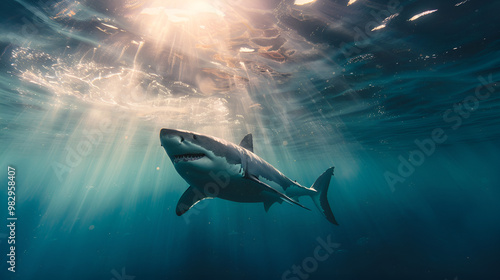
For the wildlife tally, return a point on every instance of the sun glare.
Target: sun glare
(303, 2)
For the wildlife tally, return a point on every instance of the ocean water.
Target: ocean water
(402, 97)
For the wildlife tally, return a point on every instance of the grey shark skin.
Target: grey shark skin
(217, 168)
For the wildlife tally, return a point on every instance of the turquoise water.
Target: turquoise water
(400, 96)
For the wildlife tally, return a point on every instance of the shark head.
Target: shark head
(185, 148)
(194, 151)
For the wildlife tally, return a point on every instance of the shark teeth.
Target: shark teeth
(187, 157)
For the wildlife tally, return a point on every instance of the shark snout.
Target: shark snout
(167, 132)
(171, 136)
(174, 140)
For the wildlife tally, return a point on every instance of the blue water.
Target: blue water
(400, 96)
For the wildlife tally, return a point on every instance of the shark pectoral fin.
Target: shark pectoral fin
(188, 199)
(247, 142)
(274, 192)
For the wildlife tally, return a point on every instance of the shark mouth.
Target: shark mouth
(188, 157)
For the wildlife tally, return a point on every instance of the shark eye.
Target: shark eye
(195, 137)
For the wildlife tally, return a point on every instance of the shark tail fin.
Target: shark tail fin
(320, 198)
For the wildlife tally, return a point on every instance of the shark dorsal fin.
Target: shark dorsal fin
(247, 142)
(188, 199)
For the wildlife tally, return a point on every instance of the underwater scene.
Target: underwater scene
(264, 139)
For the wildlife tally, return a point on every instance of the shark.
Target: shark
(216, 168)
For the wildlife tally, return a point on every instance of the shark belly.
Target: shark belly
(225, 181)
(240, 189)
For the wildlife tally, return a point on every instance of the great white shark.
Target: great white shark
(217, 168)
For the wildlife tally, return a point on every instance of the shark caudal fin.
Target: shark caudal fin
(320, 198)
